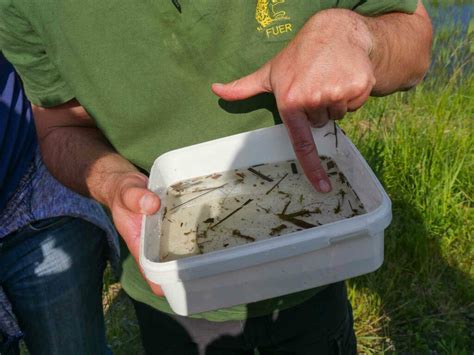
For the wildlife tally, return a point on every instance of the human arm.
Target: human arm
(332, 65)
(88, 164)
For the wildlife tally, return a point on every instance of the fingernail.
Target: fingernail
(218, 84)
(146, 203)
(324, 186)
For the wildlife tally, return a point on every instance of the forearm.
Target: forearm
(86, 163)
(401, 49)
(78, 154)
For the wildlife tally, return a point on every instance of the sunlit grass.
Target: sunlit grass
(420, 144)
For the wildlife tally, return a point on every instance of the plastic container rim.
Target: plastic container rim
(330, 230)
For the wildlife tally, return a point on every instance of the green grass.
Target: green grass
(420, 144)
(123, 334)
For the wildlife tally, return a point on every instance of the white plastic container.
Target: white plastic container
(276, 266)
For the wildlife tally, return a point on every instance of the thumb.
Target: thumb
(135, 197)
(245, 87)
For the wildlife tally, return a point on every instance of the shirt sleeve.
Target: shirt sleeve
(379, 7)
(25, 49)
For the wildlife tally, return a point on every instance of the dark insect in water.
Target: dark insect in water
(294, 170)
(342, 193)
(342, 178)
(238, 234)
(276, 230)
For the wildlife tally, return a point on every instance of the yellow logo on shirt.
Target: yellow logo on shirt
(268, 13)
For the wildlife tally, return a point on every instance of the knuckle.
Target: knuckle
(360, 84)
(290, 99)
(336, 94)
(319, 121)
(304, 148)
(355, 106)
(314, 101)
(373, 80)
(235, 83)
(339, 111)
(319, 172)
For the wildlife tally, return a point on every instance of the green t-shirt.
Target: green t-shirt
(143, 71)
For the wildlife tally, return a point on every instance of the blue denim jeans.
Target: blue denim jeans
(51, 271)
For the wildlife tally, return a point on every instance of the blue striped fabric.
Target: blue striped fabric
(17, 131)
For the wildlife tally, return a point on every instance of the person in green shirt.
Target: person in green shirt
(116, 84)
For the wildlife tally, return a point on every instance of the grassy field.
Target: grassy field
(420, 144)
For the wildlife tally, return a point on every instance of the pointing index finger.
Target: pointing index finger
(299, 130)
